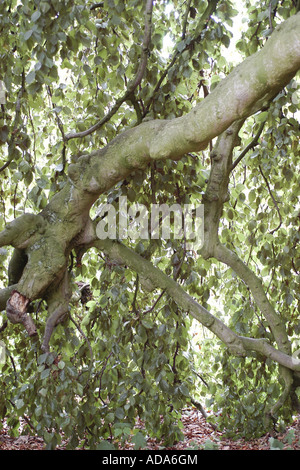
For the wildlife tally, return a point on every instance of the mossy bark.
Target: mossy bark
(47, 239)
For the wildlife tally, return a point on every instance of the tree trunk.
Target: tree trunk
(46, 240)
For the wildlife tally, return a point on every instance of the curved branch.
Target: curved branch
(243, 92)
(249, 147)
(213, 202)
(133, 85)
(231, 259)
(273, 199)
(63, 224)
(238, 345)
(150, 275)
(202, 24)
(214, 199)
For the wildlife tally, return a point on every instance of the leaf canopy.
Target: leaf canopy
(130, 352)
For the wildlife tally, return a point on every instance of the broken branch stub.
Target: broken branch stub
(16, 309)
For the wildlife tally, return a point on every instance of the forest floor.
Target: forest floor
(198, 434)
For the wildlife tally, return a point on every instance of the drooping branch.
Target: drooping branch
(228, 257)
(132, 85)
(214, 200)
(246, 89)
(202, 24)
(249, 147)
(152, 276)
(215, 197)
(48, 238)
(273, 199)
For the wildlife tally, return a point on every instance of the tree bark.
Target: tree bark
(48, 238)
(150, 275)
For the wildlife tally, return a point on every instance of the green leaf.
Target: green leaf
(164, 385)
(184, 390)
(61, 365)
(162, 330)
(35, 16)
(139, 441)
(45, 373)
(147, 324)
(27, 34)
(105, 445)
(180, 46)
(275, 444)
(262, 116)
(44, 7)
(42, 358)
(30, 77)
(38, 411)
(19, 403)
(48, 436)
(289, 299)
(4, 132)
(119, 413)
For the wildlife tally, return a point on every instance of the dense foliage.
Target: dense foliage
(126, 352)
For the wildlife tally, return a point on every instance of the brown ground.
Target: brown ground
(196, 430)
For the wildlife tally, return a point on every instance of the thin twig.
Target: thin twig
(11, 143)
(135, 295)
(273, 199)
(61, 128)
(249, 147)
(203, 23)
(133, 85)
(101, 375)
(84, 336)
(155, 303)
(187, 10)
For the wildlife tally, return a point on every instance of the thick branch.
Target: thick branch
(48, 238)
(152, 276)
(213, 202)
(214, 199)
(230, 258)
(248, 88)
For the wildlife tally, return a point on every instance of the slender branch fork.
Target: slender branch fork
(65, 223)
(132, 86)
(129, 93)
